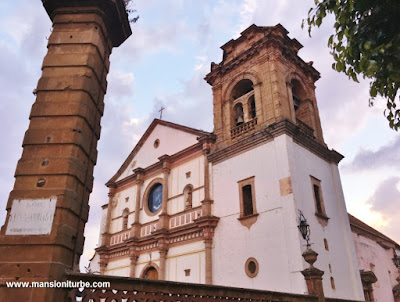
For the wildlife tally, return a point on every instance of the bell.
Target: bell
(239, 121)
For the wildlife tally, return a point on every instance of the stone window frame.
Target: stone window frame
(247, 269)
(320, 211)
(145, 201)
(247, 220)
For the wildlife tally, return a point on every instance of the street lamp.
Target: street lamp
(304, 228)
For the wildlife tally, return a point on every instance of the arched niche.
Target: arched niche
(303, 106)
(188, 198)
(125, 216)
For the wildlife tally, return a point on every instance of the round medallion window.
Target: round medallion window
(251, 267)
(156, 143)
(155, 198)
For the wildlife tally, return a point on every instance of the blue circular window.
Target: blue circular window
(155, 198)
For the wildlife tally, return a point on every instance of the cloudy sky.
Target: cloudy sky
(163, 64)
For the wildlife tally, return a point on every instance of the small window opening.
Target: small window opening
(318, 199)
(326, 244)
(333, 283)
(40, 183)
(188, 174)
(247, 200)
(187, 272)
(251, 267)
(126, 199)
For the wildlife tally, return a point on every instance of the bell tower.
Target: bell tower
(260, 81)
(271, 163)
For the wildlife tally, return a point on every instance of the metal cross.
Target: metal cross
(161, 110)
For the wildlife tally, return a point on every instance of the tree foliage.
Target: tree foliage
(366, 42)
(130, 11)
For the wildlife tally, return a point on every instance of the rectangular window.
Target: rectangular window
(247, 200)
(247, 197)
(318, 200)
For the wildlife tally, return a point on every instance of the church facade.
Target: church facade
(223, 208)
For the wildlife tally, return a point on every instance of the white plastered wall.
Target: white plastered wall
(116, 212)
(118, 267)
(373, 257)
(274, 239)
(171, 142)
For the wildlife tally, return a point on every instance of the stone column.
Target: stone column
(54, 176)
(313, 275)
(135, 230)
(164, 217)
(105, 240)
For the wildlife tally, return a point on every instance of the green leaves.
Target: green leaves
(366, 42)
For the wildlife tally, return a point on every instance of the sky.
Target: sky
(163, 64)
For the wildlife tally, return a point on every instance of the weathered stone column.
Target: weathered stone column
(164, 217)
(105, 239)
(313, 275)
(48, 206)
(135, 230)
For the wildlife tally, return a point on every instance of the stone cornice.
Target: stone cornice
(287, 127)
(283, 43)
(156, 166)
(116, 19)
(200, 229)
(142, 140)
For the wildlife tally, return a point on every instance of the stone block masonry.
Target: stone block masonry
(59, 148)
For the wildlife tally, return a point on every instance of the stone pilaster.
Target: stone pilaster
(59, 148)
(133, 258)
(135, 230)
(208, 224)
(164, 217)
(105, 237)
(208, 254)
(208, 146)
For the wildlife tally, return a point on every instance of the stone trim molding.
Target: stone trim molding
(268, 134)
